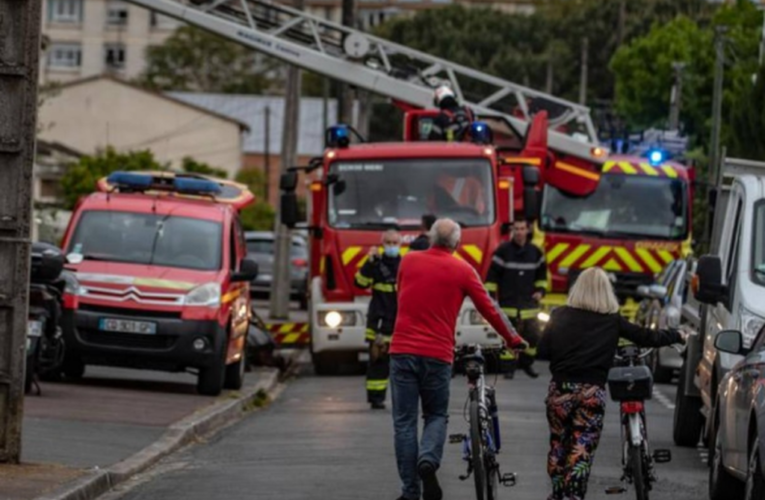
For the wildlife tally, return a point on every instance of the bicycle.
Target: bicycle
(481, 446)
(631, 383)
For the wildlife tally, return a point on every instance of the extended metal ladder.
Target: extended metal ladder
(378, 65)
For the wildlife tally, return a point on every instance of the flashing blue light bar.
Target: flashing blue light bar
(337, 136)
(188, 185)
(480, 133)
(656, 156)
(135, 181)
(130, 180)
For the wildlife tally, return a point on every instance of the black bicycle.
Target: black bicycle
(481, 446)
(630, 383)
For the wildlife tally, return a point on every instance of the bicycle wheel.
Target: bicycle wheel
(476, 449)
(492, 473)
(639, 472)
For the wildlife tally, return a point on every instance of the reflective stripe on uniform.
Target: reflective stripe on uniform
(521, 266)
(491, 287)
(508, 356)
(377, 385)
(384, 287)
(531, 351)
(362, 280)
(370, 334)
(522, 313)
(541, 284)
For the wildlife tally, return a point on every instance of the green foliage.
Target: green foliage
(748, 121)
(193, 166)
(192, 59)
(260, 215)
(81, 177)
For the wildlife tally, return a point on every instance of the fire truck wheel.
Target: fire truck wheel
(235, 374)
(325, 364)
(210, 379)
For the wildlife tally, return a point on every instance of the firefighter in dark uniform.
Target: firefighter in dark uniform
(453, 120)
(422, 242)
(518, 278)
(379, 273)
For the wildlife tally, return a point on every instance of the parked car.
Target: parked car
(260, 247)
(661, 308)
(737, 451)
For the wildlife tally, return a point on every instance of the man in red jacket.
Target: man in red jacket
(431, 288)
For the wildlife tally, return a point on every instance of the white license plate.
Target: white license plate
(34, 328)
(127, 326)
(363, 356)
(264, 277)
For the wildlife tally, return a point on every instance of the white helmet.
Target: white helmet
(442, 94)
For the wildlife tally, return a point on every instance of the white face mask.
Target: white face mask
(392, 250)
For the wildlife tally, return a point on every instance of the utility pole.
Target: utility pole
(717, 97)
(676, 97)
(280, 281)
(622, 22)
(267, 155)
(325, 105)
(583, 78)
(19, 68)
(345, 100)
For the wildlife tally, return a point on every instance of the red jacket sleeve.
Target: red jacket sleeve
(489, 309)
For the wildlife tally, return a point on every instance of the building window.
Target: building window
(114, 56)
(65, 11)
(64, 55)
(117, 13)
(161, 22)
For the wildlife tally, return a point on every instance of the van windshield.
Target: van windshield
(758, 256)
(160, 240)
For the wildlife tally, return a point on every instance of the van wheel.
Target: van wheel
(210, 378)
(234, 378)
(688, 420)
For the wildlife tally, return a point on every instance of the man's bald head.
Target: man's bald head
(445, 233)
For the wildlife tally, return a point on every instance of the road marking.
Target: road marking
(664, 400)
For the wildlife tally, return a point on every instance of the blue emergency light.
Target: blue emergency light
(656, 156)
(188, 185)
(130, 180)
(337, 136)
(480, 133)
(136, 181)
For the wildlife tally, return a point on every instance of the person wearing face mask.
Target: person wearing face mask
(379, 273)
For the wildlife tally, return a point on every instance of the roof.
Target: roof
(166, 96)
(251, 109)
(47, 147)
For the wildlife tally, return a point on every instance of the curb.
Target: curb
(202, 423)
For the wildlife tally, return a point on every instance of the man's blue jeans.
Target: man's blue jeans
(415, 378)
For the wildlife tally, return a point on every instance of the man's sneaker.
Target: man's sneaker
(377, 405)
(529, 370)
(431, 490)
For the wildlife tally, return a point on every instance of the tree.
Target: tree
(260, 215)
(748, 121)
(192, 166)
(192, 59)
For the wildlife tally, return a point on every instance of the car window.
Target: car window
(264, 246)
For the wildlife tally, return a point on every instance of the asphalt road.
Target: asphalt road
(319, 440)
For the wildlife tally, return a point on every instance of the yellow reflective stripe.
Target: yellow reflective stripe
(349, 254)
(370, 334)
(377, 385)
(627, 257)
(670, 171)
(541, 284)
(556, 251)
(666, 256)
(491, 287)
(290, 338)
(529, 313)
(595, 257)
(363, 280)
(574, 255)
(362, 261)
(649, 260)
(508, 356)
(627, 167)
(612, 265)
(609, 165)
(384, 287)
(531, 351)
(475, 252)
(648, 169)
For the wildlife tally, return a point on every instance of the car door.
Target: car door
(746, 376)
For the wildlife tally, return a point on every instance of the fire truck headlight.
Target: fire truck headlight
(334, 319)
(204, 295)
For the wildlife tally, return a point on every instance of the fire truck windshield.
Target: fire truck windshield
(138, 238)
(622, 206)
(371, 193)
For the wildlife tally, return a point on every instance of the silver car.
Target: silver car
(260, 247)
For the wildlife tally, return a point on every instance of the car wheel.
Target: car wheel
(210, 378)
(688, 420)
(73, 366)
(722, 486)
(755, 480)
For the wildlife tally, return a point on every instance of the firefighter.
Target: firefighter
(379, 273)
(453, 120)
(518, 278)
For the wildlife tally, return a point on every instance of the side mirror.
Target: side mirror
(710, 288)
(288, 181)
(338, 188)
(74, 258)
(247, 272)
(289, 209)
(730, 341)
(530, 203)
(530, 176)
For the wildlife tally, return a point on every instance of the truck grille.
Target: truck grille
(127, 312)
(129, 340)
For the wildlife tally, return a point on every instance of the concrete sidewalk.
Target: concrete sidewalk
(114, 423)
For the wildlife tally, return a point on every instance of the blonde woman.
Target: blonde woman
(580, 341)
